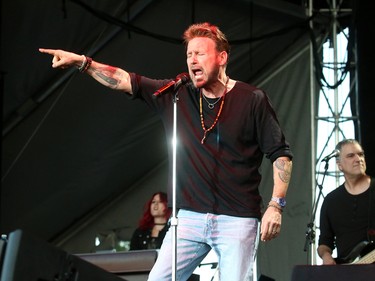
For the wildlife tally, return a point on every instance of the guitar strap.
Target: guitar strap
(371, 212)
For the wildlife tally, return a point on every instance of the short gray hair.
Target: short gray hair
(340, 144)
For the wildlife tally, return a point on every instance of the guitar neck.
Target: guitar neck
(366, 259)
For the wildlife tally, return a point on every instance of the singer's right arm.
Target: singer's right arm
(110, 76)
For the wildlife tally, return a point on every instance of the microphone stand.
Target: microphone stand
(310, 232)
(174, 220)
(176, 84)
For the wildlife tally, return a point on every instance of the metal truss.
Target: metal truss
(334, 97)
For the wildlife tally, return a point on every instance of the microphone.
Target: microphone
(334, 153)
(180, 80)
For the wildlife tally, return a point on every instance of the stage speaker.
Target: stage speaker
(27, 258)
(351, 272)
(131, 265)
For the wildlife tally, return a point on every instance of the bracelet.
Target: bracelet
(85, 64)
(275, 206)
(88, 64)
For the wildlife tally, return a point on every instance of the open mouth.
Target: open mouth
(198, 73)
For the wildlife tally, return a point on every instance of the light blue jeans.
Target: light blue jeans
(234, 239)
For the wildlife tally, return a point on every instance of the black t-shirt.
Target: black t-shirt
(222, 175)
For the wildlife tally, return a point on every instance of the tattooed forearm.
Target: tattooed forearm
(108, 75)
(285, 169)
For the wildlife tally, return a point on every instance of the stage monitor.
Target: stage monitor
(27, 258)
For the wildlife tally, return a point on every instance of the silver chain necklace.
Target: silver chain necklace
(211, 105)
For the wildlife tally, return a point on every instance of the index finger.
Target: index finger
(47, 51)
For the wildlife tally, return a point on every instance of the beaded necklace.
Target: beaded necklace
(217, 116)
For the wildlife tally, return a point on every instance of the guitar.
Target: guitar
(363, 253)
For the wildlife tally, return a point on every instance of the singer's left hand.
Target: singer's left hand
(271, 224)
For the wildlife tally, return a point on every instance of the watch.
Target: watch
(280, 201)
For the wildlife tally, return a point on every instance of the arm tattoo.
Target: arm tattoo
(108, 76)
(285, 169)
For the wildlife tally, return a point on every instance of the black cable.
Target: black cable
(110, 19)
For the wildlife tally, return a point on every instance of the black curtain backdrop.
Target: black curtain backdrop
(365, 23)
